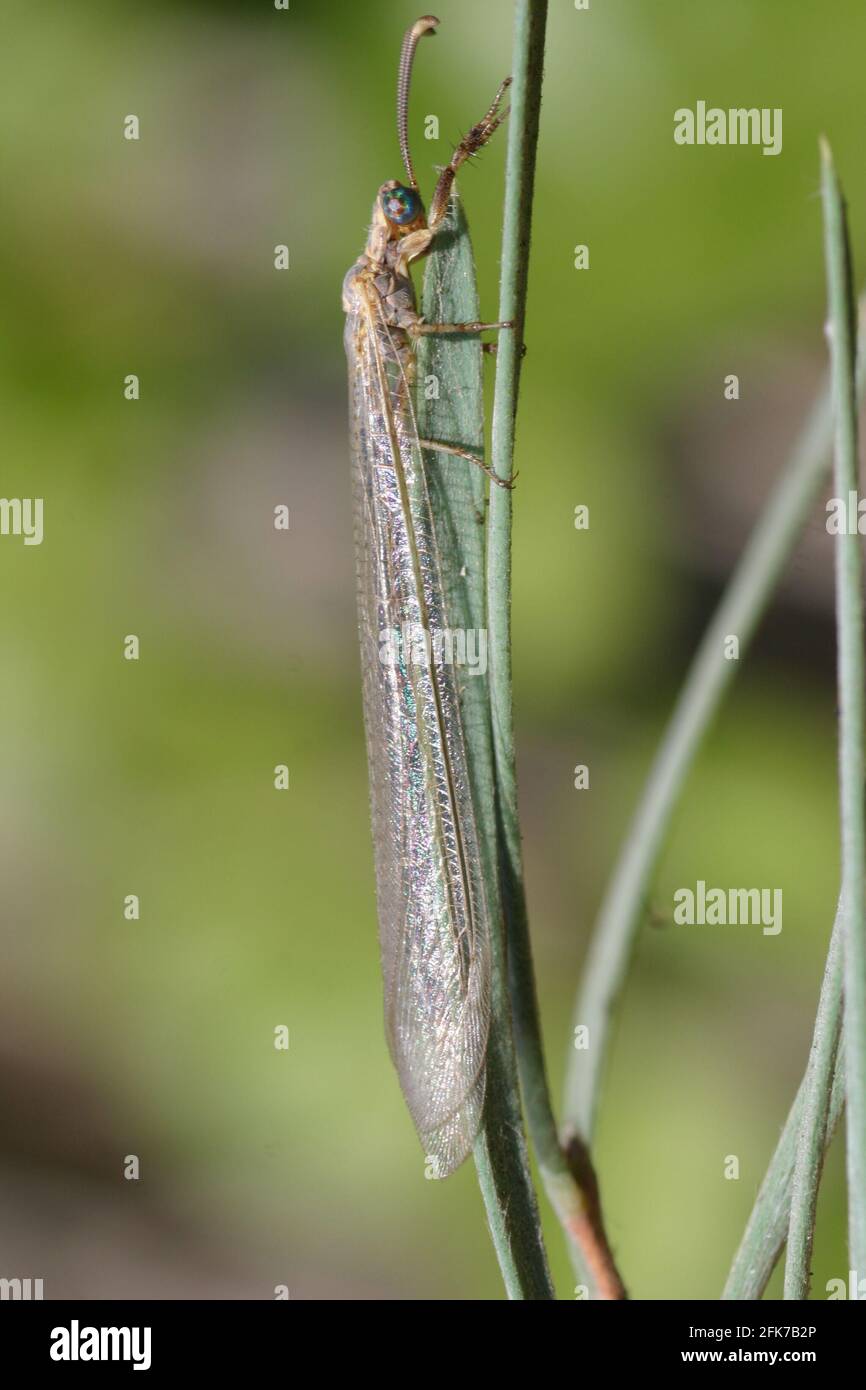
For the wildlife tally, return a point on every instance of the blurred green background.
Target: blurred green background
(156, 1037)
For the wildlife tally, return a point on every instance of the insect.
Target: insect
(434, 929)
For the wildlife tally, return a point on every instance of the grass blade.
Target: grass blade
(567, 1174)
(814, 1125)
(740, 610)
(451, 410)
(787, 1195)
(814, 1128)
(849, 626)
(768, 1223)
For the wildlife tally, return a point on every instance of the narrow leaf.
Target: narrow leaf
(450, 408)
(849, 629)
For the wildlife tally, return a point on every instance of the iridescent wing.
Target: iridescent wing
(433, 927)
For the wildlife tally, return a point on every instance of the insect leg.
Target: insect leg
(471, 143)
(492, 348)
(416, 329)
(470, 457)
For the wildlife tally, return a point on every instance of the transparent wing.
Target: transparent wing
(433, 926)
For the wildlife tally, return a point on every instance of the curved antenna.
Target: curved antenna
(425, 25)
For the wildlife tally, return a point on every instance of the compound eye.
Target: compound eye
(401, 205)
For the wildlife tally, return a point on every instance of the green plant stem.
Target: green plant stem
(768, 1223)
(740, 610)
(786, 1201)
(815, 1099)
(849, 627)
(455, 414)
(568, 1178)
(502, 1165)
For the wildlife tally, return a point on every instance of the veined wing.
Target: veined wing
(433, 927)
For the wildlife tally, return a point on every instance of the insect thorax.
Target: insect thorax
(389, 291)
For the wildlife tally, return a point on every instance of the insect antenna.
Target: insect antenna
(425, 25)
